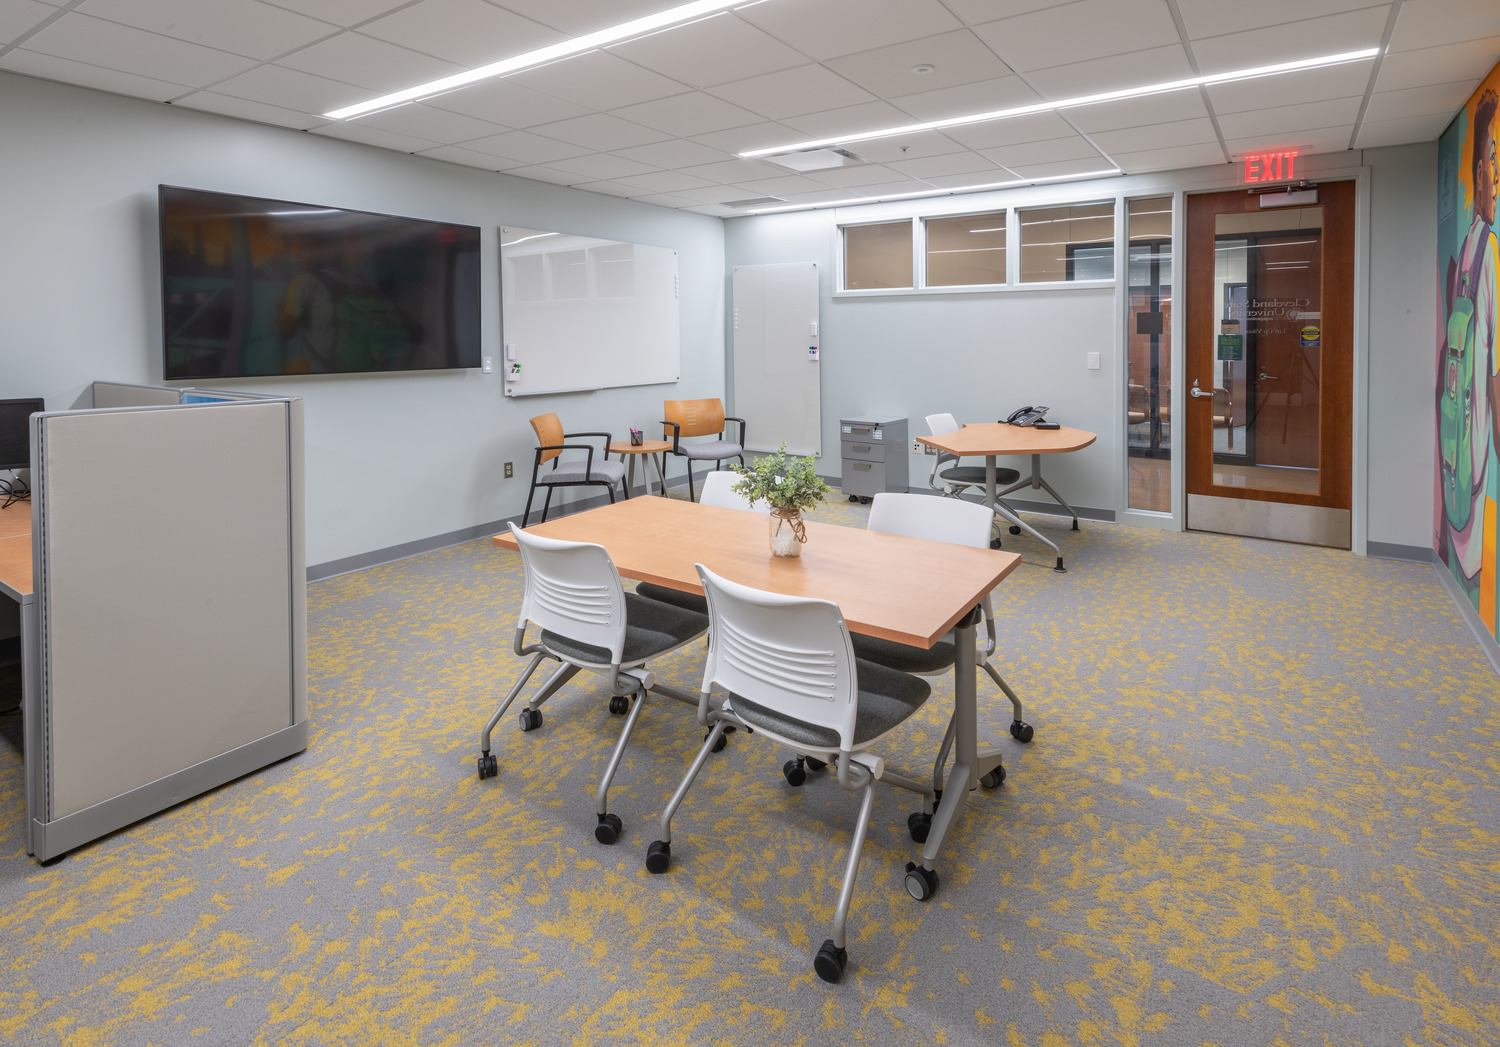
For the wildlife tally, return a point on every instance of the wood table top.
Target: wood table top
(645, 447)
(987, 438)
(905, 589)
(15, 548)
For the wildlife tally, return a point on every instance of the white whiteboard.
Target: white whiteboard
(580, 312)
(777, 389)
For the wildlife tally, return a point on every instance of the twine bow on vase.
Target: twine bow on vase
(788, 531)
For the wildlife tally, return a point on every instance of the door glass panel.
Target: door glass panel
(1148, 377)
(1268, 272)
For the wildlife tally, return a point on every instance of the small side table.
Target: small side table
(654, 449)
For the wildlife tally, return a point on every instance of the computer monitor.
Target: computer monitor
(15, 431)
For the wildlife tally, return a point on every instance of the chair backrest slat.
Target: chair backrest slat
(549, 433)
(572, 589)
(695, 417)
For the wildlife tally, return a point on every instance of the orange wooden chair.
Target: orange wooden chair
(695, 418)
(573, 472)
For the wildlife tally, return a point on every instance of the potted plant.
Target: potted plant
(788, 487)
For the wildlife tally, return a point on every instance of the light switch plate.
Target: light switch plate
(1093, 361)
(487, 365)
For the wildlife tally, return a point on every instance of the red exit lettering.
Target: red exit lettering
(1271, 167)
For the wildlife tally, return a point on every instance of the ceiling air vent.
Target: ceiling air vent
(757, 201)
(815, 159)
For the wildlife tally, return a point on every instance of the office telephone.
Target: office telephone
(1027, 416)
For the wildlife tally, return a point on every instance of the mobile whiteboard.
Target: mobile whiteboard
(582, 313)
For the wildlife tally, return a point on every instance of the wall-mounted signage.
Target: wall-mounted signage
(1271, 167)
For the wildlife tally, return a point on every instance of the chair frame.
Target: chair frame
(553, 453)
(676, 438)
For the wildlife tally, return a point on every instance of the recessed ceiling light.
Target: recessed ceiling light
(668, 19)
(939, 192)
(1071, 103)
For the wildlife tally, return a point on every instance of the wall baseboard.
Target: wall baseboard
(1392, 551)
(1471, 617)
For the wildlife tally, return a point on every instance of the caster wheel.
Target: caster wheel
(619, 705)
(609, 828)
(994, 543)
(1021, 731)
(793, 772)
(815, 765)
(1014, 529)
(864, 501)
(530, 719)
(658, 857)
(994, 778)
(830, 962)
(919, 825)
(718, 745)
(487, 766)
(854, 497)
(921, 883)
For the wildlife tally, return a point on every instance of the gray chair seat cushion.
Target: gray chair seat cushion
(651, 627)
(675, 597)
(886, 697)
(903, 657)
(974, 475)
(712, 450)
(574, 472)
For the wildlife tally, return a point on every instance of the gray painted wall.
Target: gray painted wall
(391, 458)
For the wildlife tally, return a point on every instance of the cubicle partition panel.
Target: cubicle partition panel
(124, 394)
(171, 594)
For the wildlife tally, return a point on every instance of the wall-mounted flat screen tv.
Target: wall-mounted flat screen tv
(267, 287)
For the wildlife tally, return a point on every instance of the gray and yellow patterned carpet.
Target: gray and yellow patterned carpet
(1260, 809)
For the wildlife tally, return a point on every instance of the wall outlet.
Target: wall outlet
(510, 470)
(916, 448)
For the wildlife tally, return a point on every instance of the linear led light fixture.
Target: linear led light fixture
(1072, 103)
(541, 56)
(938, 192)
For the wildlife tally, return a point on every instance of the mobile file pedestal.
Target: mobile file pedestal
(870, 466)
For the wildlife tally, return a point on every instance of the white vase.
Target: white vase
(787, 532)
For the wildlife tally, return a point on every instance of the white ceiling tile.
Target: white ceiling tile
(666, 181)
(712, 194)
(1155, 65)
(995, 176)
(599, 80)
(110, 45)
(1314, 140)
(435, 125)
(18, 17)
(781, 186)
(1139, 112)
(291, 89)
(243, 27)
(1288, 118)
(823, 197)
(456, 154)
(1419, 101)
(1204, 18)
(1428, 23)
(340, 12)
(793, 91)
(954, 58)
(1376, 133)
(1036, 127)
(667, 200)
(906, 147)
(367, 62)
(983, 96)
(576, 17)
(688, 114)
(601, 166)
(358, 131)
(729, 171)
(539, 173)
(1058, 168)
(1157, 136)
(854, 177)
(1468, 60)
(870, 116)
(525, 147)
(601, 132)
(508, 103)
(49, 67)
(756, 136)
(1309, 85)
(612, 189)
(714, 51)
(467, 32)
(1290, 41)
(929, 167)
(977, 12)
(831, 28)
(712, 210)
(1080, 31)
(895, 187)
(1075, 148)
(244, 109)
(1176, 158)
(674, 154)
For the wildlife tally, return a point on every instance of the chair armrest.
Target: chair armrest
(742, 428)
(589, 466)
(676, 434)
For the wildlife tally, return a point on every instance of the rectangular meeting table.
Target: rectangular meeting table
(992, 439)
(909, 590)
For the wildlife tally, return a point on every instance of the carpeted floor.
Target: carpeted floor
(1260, 809)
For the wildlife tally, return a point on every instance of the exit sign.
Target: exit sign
(1271, 167)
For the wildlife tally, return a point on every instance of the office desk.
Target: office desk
(993, 439)
(904, 589)
(15, 576)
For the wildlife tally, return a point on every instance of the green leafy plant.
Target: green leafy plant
(782, 482)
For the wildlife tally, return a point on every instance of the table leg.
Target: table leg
(1038, 483)
(993, 500)
(630, 475)
(659, 460)
(963, 776)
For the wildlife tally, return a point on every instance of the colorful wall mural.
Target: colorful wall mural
(1468, 359)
